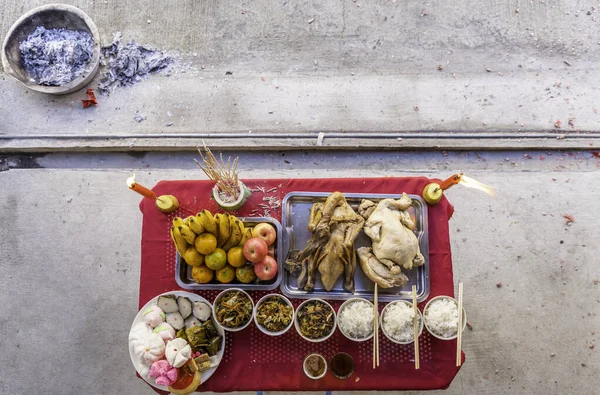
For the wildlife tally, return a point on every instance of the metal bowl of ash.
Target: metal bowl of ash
(52, 49)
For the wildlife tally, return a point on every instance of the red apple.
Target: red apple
(266, 232)
(255, 249)
(271, 252)
(266, 269)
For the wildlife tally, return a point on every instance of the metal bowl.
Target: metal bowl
(51, 16)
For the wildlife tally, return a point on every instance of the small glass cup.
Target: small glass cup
(314, 364)
(342, 365)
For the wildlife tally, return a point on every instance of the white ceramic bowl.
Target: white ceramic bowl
(264, 330)
(304, 367)
(425, 318)
(298, 326)
(215, 310)
(346, 304)
(384, 312)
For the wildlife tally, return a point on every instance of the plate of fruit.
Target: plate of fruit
(218, 251)
(174, 343)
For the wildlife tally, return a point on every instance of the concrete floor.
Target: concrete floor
(70, 263)
(346, 66)
(368, 71)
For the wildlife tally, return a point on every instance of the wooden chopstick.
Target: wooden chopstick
(376, 325)
(416, 327)
(460, 325)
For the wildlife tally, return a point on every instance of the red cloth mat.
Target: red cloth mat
(255, 361)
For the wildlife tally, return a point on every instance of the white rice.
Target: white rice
(356, 320)
(398, 322)
(441, 317)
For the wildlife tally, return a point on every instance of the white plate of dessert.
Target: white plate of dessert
(174, 343)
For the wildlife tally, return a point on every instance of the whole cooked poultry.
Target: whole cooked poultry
(330, 250)
(395, 245)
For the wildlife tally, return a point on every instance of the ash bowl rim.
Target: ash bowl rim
(76, 84)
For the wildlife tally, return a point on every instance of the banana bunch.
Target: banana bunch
(228, 230)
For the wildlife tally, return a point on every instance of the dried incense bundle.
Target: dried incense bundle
(224, 174)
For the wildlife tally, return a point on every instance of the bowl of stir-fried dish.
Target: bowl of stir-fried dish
(315, 320)
(274, 314)
(232, 309)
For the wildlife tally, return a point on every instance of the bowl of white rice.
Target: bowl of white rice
(397, 322)
(441, 317)
(355, 319)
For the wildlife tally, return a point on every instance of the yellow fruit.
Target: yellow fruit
(216, 260)
(208, 221)
(180, 244)
(226, 274)
(205, 243)
(224, 229)
(192, 257)
(235, 257)
(245, 274)
(195, 225)
(202, 274)
(178, 221)
(236, 235)
(247, 235)
(187, 234)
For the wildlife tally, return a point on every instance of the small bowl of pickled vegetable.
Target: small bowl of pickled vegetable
(232, 309)
(274, 314)
(315, 320)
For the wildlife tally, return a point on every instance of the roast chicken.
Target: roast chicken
(394, 244)
(334, 226)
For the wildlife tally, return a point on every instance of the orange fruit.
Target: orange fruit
(235, 257)
(202, 274)
(216, 260)
(226, 274)
(205, 243)
(245, 274)
(192, 258)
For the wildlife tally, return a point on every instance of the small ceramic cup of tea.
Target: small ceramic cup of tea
(315, 366)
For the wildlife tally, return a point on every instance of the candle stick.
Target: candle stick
(145, 192)
(432, 193)
(449, 182)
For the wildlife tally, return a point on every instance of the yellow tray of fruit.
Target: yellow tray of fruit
(218, 251)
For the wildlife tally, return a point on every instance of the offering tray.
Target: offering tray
(183, 272)
(295, 216)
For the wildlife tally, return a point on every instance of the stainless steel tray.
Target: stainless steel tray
(295, 214)
(183, 271)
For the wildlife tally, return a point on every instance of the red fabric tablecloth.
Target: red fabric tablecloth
(254, 361)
